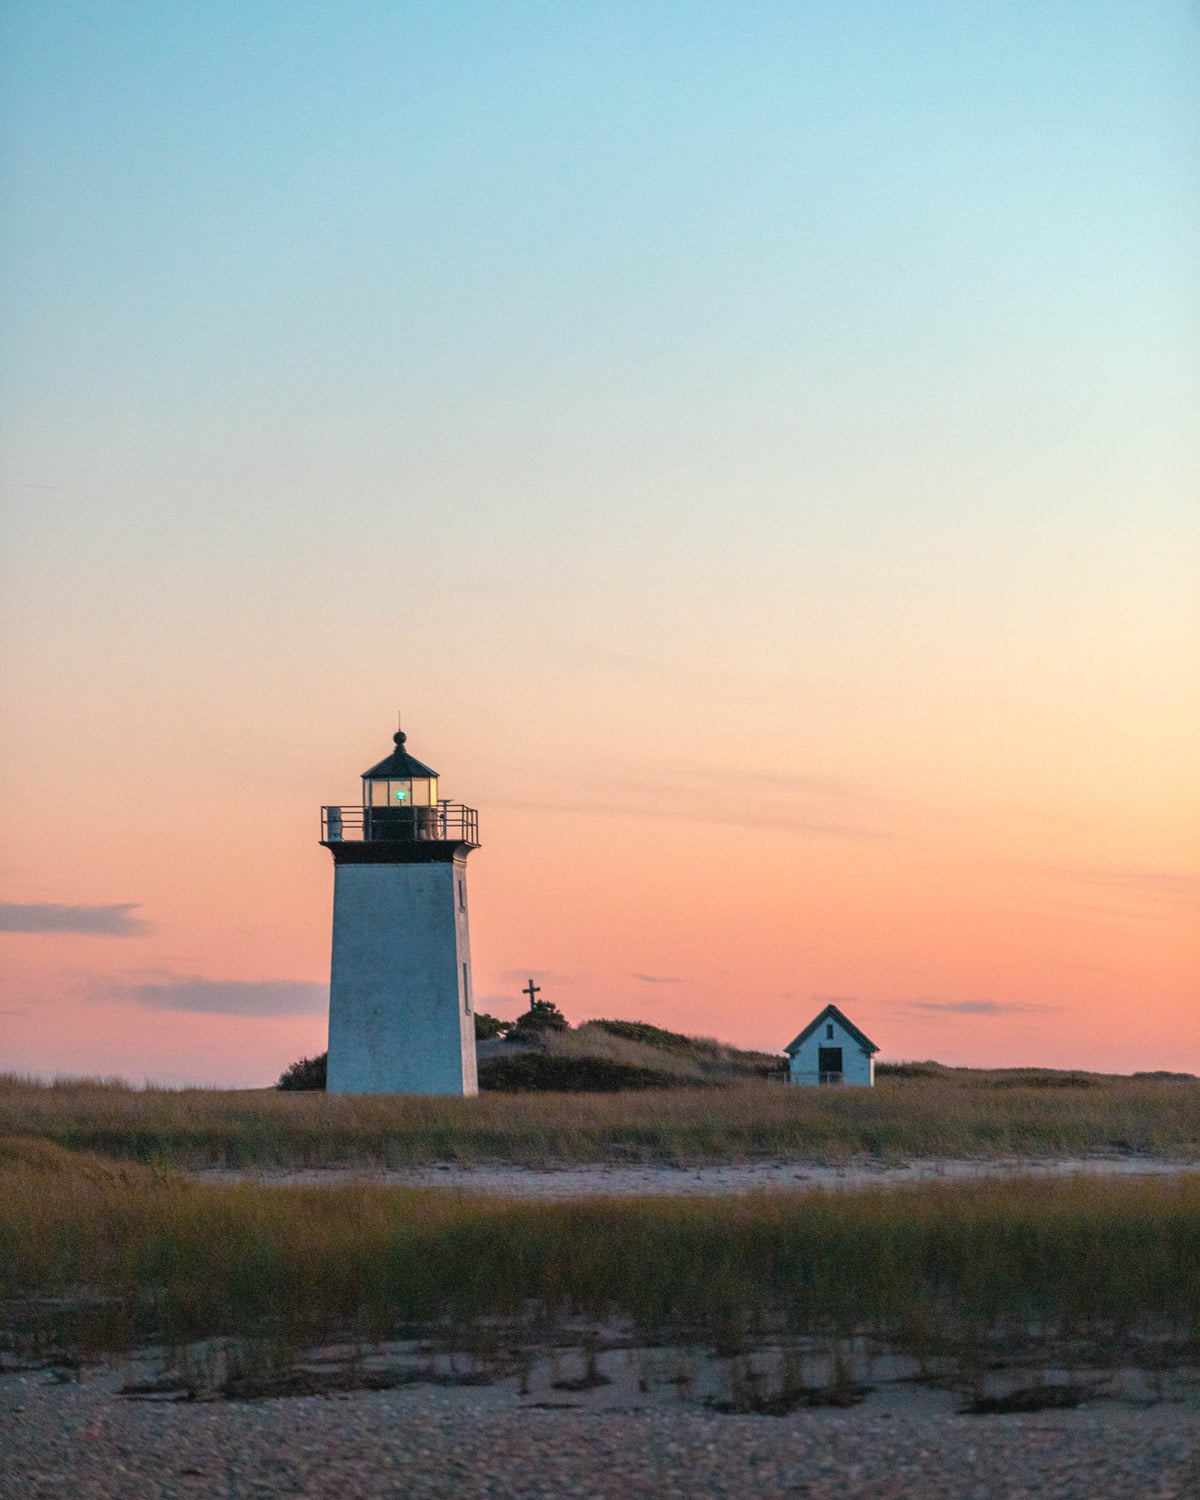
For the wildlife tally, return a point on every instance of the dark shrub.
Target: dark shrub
(538, 1072)
(542, 1015)
(486, 1027)
(308, 1073)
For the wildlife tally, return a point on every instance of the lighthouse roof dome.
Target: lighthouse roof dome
(399, 765)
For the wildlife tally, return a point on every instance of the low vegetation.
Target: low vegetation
(100, 1256)
(542, 1054)
(942, 1112)
(307, 1074)
(610, 1056)
(542, 1015)
(655, 1036)
(547, 1072)
(487, 1027)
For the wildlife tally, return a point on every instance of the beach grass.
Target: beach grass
(929, 1113)
(98, 1256)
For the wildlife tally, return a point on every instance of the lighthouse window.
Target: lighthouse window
(466, 992)
(462, 897)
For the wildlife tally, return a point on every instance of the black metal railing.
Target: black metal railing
(448, 822)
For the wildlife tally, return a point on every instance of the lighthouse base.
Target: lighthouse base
(400, 1004)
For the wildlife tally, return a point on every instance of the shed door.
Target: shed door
(829, 1063)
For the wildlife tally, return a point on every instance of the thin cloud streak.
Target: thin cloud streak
(1165, 885)
(789, 781)
(523, 976)
(116, 920)
(975, 1007)
(1176, 886)
(676, 774)
(229, 997)
(657, 979)
(783, 823)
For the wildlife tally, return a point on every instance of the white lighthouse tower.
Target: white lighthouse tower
(400, 1012)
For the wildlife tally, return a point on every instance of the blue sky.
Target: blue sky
(798, 391)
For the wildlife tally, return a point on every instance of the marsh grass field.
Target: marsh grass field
(920, 1111)
(101, 1257)
(107, 1245)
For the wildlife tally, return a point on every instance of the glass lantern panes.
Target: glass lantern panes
(420, 791)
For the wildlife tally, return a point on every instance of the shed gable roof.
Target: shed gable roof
(831, 1013)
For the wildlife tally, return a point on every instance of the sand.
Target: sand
(578, 1181)
(82, 1441)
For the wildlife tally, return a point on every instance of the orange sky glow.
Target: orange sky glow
(760, 461)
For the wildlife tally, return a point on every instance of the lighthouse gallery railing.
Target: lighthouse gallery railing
(448, 821)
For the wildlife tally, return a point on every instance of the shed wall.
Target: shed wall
(858, 1065)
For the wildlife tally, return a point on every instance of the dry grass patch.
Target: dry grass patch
(94, 1258)
(949, 1113)
(612, 1056)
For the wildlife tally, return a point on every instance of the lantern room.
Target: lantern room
(400, 807)
(400, 781)
(400, 797)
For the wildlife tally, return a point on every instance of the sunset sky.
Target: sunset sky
(754, 444)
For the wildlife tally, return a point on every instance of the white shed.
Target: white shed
(831, 1049)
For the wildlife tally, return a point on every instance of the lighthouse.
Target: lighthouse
(400, 1008)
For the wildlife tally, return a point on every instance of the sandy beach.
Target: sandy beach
(589, 1180)
(84, 1441)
